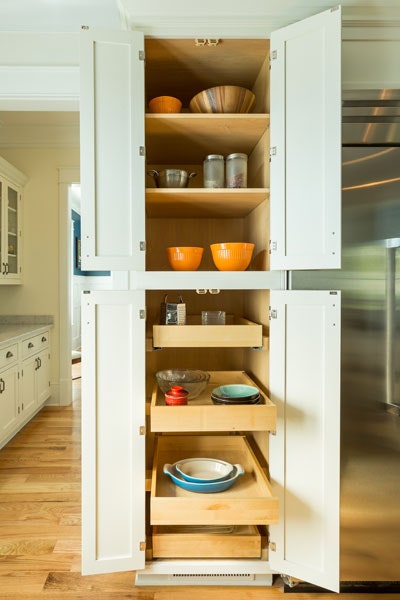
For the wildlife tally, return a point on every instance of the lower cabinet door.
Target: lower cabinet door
(43, 377)
(305, 452)
(113, 431)
(28, 385)
(9, 407)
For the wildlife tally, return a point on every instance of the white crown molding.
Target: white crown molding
(11, 173)
(39, 87)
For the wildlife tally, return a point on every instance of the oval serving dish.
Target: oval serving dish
(202, 488)
(203, 470)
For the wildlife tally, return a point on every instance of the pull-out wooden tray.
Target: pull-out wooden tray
(200, 414)
(202, 541)
(237, 333)
(248, 502)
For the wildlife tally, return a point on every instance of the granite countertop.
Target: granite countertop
(15, 327)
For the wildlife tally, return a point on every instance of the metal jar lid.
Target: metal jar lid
(214, 157)
(237, 155)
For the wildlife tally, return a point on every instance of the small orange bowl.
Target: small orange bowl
(165, 104)
(184, 258)
(235, 256)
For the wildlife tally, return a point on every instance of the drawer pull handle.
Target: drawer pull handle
(30, 345)
(9, 354)
(2, 386)
(44, 339)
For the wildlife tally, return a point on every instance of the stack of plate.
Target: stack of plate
(203, 475)
(236, 393)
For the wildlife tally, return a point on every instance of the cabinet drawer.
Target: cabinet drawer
(188, 541)
(248, 502)
(237, 333)
(200, 414)
(8, 355)
(35, 344)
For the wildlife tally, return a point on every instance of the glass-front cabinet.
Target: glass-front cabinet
(11, 186)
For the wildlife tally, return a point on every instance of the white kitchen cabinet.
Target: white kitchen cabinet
(114, 423)
(35, 378)
(11, 185)
(10, 410)
(114, 515)
(112, 151)
(24, 381)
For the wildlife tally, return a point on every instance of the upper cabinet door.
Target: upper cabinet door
(306, 144)
(112, 150)
(113, 440)
(305, 452)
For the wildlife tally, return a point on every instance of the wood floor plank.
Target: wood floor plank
(43, 513)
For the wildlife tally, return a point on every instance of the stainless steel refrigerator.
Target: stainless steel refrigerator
(370, 361)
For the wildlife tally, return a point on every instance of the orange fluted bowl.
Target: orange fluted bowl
(234, 256)
(165, 104)
(184, 258)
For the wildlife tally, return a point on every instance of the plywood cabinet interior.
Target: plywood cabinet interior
(233, 353)
(196, 215)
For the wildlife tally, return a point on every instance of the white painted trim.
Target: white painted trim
(39, 87)
(66, 176)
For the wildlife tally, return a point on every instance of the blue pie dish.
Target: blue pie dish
(203, 487)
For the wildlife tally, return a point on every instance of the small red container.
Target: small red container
(176, 396)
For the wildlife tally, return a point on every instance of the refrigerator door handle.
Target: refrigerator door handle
(390, 325)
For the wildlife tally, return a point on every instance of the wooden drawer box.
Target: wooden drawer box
(8, 355)
(237, 333)
(235, 541)
(35, 344)
(202, 415)
(248, 502)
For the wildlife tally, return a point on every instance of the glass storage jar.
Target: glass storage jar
(236, 170)
(213, 171)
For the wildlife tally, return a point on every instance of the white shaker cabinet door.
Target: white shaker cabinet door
(306, 143)
(112, 150)
(113, 434)
(305, 452)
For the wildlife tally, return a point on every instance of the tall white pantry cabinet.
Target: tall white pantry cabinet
(283, 515)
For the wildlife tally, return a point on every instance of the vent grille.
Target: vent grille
(212, 575)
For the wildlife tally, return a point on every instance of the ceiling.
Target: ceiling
(69, 15)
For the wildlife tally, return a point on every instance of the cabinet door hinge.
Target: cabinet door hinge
(142, 313)
(142, 55)
(273, 313)
(142, 246)
(272, 546)
(142, 151)
(142, 546)
(273, 246)
(274, 54)
(142, 430)
(273, 151)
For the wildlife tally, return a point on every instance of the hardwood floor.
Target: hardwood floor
(40, 524)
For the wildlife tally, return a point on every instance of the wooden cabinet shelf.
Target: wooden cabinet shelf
(248, 502)
(202, 202)
(239, 333)
(202, 415)
(187, 138)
